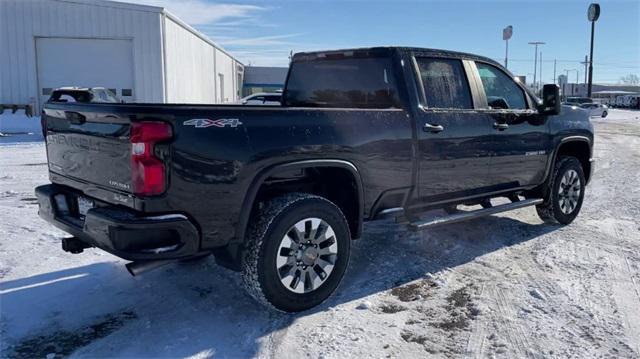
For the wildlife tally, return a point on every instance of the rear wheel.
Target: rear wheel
(564, 201)
(604, 114)
(297, 252)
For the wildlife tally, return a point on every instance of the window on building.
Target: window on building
(221, 87)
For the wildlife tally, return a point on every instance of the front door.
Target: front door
(453, 138)
(520, 137)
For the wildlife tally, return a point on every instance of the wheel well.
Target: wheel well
(336, 184)
(579, 150)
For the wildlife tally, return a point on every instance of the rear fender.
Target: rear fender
(248, 203)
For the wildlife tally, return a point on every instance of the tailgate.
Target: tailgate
(90, 147)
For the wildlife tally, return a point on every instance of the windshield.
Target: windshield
(350, 83)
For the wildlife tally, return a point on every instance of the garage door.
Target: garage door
(104, 63)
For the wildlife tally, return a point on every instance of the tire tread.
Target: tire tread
(260, 224)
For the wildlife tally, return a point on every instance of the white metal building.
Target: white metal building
(144, 53)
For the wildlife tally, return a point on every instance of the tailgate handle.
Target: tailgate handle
(500, 126)
(432, 128)
(76, 118)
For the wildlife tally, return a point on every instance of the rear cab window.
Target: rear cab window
(343, 82)
(444, 83)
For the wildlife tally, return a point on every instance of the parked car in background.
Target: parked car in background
(627, 101)
(262, 98)
(596, 109)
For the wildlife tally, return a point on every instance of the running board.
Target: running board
(463, 216)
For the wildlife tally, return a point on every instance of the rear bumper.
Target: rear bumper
(120, 231)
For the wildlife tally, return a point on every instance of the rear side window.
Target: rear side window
(348, 83)
(501, 90)
(445, 83)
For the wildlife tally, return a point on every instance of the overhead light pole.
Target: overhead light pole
(507, 32)
(593, 14)
(535, 61)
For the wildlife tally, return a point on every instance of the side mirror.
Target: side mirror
(550, 100)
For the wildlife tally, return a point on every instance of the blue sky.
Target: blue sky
(264, 32)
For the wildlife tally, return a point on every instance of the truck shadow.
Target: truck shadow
(198, 308)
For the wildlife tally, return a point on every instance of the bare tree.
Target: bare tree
(630, 79)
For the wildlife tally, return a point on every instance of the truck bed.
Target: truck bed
(218, 150)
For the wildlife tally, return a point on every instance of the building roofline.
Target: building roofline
(197, 33)
(116, 4)
(153, 9)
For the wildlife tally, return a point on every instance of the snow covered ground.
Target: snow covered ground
(505, 286)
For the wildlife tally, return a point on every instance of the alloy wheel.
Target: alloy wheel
(569, 192)
(306, 255)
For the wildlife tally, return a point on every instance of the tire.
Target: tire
(274, 258)
(604, 114)
(562, 203)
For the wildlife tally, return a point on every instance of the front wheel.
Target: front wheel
(604, 114)
(562, 204)
(297, 252)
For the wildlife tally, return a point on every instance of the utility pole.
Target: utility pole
(555, 80)
(593, 14)
(535, 61)
(585, 63)
(541, 80)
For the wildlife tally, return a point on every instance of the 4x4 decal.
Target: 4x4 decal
(205, 122)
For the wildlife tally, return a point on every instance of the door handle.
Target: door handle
(75, 117)
(500, 126)
(432, 128)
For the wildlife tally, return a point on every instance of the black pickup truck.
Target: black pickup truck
(279, 192)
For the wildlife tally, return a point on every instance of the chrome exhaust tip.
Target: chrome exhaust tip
(138, 267)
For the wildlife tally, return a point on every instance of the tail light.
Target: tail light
(148, 177)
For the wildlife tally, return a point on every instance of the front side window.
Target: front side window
(445, 83)
(344, 82)
(501, 90)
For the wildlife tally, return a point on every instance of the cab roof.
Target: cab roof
(388, 51)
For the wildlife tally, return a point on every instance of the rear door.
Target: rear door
(520, 136)
(453, 138)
